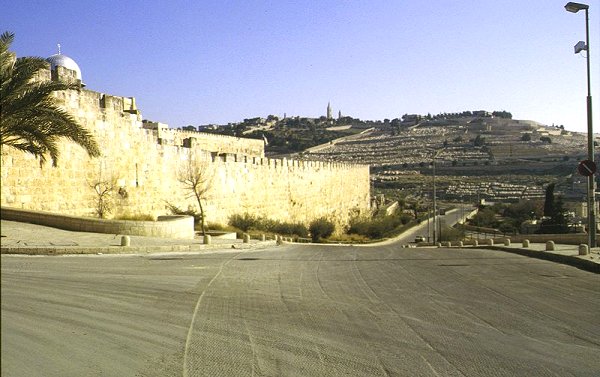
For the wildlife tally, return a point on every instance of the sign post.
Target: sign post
(587, 168)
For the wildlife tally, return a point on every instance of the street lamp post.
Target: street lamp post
(435, 222)
(574, 8)
(434, 203)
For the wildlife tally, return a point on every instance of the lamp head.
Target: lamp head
(580, 46)
(575, 7)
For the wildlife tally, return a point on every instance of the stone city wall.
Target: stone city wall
(143, 173)
(212, 142)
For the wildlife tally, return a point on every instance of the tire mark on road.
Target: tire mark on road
(255, 360)
(402, 318)
(191, 328)
(375, 300)
(485, 285)
(363, 285)
(319, 279)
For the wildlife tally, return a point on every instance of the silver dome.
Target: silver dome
(64, 61)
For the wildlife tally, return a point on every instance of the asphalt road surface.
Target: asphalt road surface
(299, 311)
(425, 229)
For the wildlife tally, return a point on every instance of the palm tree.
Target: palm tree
(30, 119)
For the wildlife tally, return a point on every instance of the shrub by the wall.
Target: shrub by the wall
(247, 222)
(321, 228)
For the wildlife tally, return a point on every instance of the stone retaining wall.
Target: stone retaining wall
(166, 226)
(566, 239)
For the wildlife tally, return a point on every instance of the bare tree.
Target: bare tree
(104, 190)
(196, 178)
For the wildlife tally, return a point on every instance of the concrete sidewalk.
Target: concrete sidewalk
(566, 254)
(24, 238)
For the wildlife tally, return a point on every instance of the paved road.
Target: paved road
(426, 227)
(299, 311)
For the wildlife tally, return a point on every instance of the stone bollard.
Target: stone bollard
(525, 243)
(475, 243)
(550, 246)
(507, 242)
(263, 238)
(278, 240)
(448, 244)
(583, 249)
(460, 244)
(125, 241)
(490, 242)
(207, 239)
(438, 244)
(246, 238)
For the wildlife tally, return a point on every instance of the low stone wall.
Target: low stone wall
(566, 239)
(165, 226)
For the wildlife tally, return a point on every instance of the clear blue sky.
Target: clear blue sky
(199, 62)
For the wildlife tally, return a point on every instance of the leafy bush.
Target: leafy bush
(486, 217)
(246, 222)
(218, 227)
(508, 226)
(191, 211)
(289, 228)
(135, 217)
(349, 238)
(379, 227)
(321, 228)
(451, 234)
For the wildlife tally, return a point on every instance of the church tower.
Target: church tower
(329, 113)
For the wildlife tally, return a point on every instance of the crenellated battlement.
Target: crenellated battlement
(208, 141)
(283, 162)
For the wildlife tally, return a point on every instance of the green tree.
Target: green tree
(555, 220)
(486, 217)
(30, 119)
(479, 141)
(549, 200)
(524, 210)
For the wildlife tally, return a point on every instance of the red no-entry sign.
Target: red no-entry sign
(586, 168)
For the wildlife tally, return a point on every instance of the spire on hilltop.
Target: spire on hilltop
(329, 114)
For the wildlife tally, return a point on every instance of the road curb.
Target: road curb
(574, 261)
(75, 250)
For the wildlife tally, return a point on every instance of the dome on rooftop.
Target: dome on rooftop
(64, 61)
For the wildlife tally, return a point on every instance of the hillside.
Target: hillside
(480, 155)
(291, 135)
(477, 157)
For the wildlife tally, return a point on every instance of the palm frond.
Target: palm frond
(30, 118)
